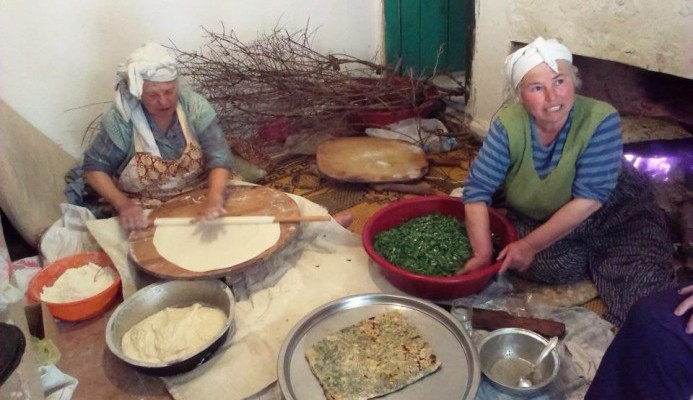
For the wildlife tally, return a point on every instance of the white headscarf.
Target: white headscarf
(539, 51)
(152, 62)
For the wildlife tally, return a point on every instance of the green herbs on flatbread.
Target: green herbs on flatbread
(374, 357)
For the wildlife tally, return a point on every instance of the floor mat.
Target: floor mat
(300, 176)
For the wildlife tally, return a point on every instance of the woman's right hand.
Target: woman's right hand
(473, 264)
(130, 213)
(131, 216)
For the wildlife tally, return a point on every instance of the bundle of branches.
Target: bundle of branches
(277, 85)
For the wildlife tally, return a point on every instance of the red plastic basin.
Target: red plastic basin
(424, 286)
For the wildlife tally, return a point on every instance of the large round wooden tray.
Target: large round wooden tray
(371, 160)
(242, 201)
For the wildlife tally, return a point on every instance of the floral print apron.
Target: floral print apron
(154, 180)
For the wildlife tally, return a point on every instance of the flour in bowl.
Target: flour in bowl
(79, 283)
(173, 333)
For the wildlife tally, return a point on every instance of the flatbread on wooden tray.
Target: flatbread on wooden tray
(374, 357)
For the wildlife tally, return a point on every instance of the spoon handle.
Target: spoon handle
(549, 346)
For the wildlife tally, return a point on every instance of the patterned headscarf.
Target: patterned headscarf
(539, 51)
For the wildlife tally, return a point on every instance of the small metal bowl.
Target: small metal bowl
(158, 296)
(505, 353)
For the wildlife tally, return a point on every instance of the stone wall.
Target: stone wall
(654, 36)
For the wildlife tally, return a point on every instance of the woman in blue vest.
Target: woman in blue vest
(580, 211)
(157, 141)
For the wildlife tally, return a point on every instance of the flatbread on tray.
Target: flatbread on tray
(374, 357)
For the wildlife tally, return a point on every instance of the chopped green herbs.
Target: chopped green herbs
(434, 244)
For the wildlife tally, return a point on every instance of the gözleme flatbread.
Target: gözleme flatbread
(374, 357)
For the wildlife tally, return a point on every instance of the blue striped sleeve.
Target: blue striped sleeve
(598, 167)
(489, 169)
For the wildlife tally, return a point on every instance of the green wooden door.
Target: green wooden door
(428, 35)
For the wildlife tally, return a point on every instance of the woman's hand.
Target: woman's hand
(686, 305)
(473, 264)
(131, 215)
(215, 199)
(212, 208)
(130, 212)
(518, 255)
(479, 233)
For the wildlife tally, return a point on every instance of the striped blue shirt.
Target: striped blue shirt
(597, 168)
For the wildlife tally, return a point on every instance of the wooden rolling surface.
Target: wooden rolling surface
(371, 160)
(241, 201)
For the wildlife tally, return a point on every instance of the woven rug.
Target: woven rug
(299, 175)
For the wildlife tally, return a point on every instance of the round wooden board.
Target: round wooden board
(242, 201)
(371, 160)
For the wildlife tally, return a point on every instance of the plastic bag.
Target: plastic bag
(426, 133)
(68, 235)
(8, 293)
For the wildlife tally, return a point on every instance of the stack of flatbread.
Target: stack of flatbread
(372, 358)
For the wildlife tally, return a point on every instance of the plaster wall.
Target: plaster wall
(58, 58)
(58, 62)
(653, 35)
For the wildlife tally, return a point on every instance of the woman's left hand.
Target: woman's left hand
(685, 305)
(517, 255)
(215, 198)
(212, 209)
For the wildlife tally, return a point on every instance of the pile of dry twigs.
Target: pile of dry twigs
(278, 84)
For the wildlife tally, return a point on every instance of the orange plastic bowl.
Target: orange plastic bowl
(425, 286)
(81, 309)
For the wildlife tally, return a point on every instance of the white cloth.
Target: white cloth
(114, 241)
(539, 51)
(580, 350)
(425, 133)
(328, 263)
(68, 235)
(587, 337)
(57, 385)
(324, 263)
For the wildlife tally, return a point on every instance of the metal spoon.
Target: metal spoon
(525, 381)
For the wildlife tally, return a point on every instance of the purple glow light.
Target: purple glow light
(655, 167)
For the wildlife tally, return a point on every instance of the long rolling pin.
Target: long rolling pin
(247, 220)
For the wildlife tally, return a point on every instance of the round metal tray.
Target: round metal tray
(458, 377)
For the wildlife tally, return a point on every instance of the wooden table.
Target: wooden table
(101, 375)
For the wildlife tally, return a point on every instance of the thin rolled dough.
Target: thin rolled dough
(200, 247)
